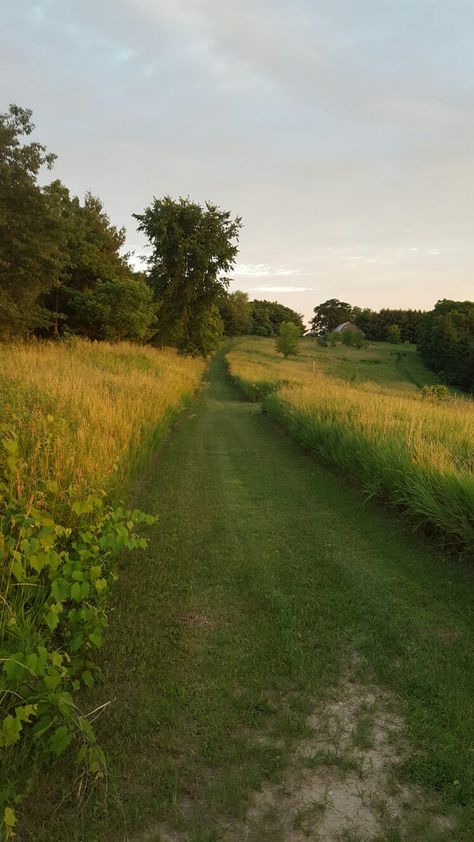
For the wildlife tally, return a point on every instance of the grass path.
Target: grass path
(265, 578)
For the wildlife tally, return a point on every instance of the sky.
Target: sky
(341, 131)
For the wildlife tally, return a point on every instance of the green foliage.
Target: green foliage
(62, 269)
(375, 325)
(206, 334)
(392, 334)
(123, 308)
(96, 293)
(267, 316)
(30, 257)
(332, 338)
(236, 313)
(330, 314)
(287, 342)
(192, 245)
(436, 393)
(57, 566)
(352, 338)
(446, 342)
(417, 457)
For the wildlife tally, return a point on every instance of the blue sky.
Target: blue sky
(342, 131)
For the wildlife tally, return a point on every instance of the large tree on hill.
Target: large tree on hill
(30, 243)
(194, 247)
(330, 314)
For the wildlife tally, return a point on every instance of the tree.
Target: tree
(236, 313)
(91, 248)
(393, 334)
(122, 308)
(375, 325)
(207, 332)
(30, 254)
(192, 247)
(446, 341)
(330, 314)
(267, 316)
(287, 342)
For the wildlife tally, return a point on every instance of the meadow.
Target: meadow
(363, 411)
(86, 414)
(77, 421)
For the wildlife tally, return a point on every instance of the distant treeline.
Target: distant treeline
(63, 270)
(445, 335)
(262, 318)
(376, 325)
(446, 342)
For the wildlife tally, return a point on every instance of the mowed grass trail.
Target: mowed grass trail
(268, 587)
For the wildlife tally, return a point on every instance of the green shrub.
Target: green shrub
(56, 567)
(353, 338)
(435, 393)
(287, 342)
(393, 334)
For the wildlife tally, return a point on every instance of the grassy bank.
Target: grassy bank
(76, 420)
(265, 573)
(415, 453)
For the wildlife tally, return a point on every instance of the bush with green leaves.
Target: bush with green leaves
(393, 334)
(57, 565)
(436, 393)
(287, 342)
(353, 338)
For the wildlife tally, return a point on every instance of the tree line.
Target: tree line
(63, 269)
(376, 326)
(444, 335)
(446, 342)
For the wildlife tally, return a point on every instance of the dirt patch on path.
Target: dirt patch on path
(340, 785)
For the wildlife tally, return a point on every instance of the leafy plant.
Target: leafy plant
(57, 566)
(287, 342)
(437, 392)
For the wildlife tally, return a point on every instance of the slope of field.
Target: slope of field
(84, 414)
(395, 367)
(416, 453)
(271, 608)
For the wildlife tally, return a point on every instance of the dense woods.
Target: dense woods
(446, 342)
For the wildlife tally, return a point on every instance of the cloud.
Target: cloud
(278, 289)
(260, 270)
(341, 132)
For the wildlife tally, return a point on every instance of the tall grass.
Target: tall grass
(84, 413)
(75, 422)
(416, 454)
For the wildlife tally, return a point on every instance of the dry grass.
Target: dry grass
(85, 413)
(418, 454)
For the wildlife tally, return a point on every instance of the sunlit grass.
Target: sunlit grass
(398, 368)
(418, 454)
(85, 413)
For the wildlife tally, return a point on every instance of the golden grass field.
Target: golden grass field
(84, 413)
(418, 453)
